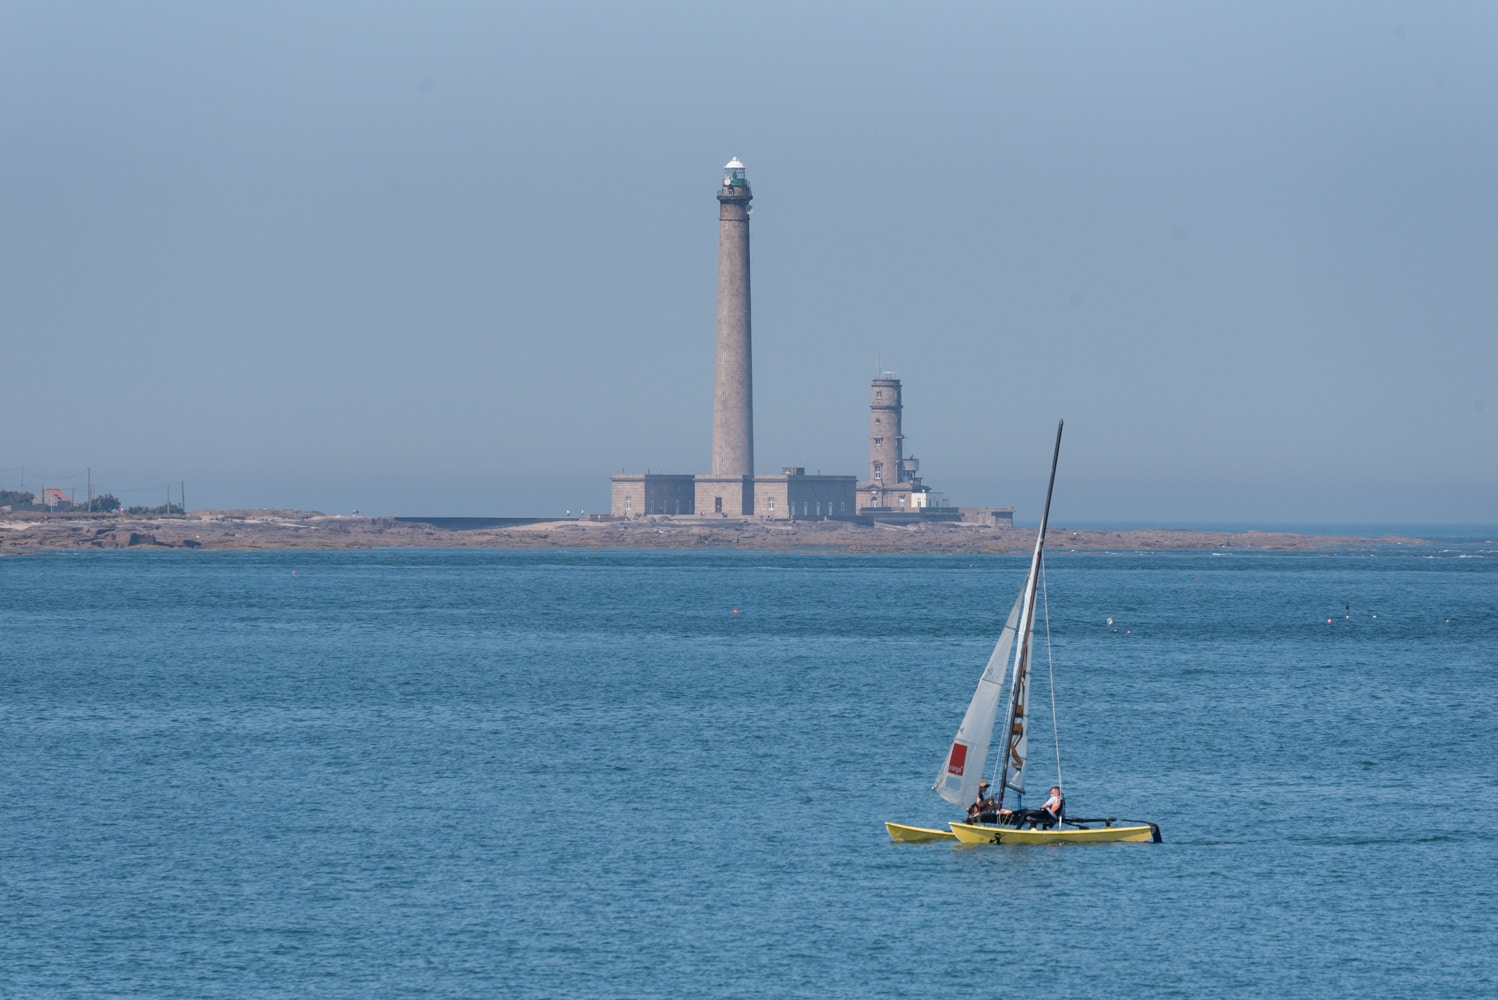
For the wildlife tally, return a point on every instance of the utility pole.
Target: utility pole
(182, 485)
(90, 489)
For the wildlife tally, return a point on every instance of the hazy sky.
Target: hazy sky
(460, 258)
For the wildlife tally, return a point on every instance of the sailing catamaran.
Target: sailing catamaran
(962, 771)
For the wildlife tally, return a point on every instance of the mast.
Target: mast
(1015, 720)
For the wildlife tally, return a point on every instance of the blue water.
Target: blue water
(580, 774)
(1467, 534)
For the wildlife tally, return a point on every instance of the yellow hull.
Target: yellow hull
(969, 833)
(917, 834)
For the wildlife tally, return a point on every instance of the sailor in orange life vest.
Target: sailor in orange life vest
(1053, 805)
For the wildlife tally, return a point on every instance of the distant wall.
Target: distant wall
(725, 496)
(474, 523)
(813, 497)
(994, 517)
(650, 494)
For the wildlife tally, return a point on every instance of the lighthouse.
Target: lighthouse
(730, 489)
(733, 396)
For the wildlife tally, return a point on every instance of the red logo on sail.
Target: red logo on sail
(958, 759)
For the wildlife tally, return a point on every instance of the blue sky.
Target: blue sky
(459, 258)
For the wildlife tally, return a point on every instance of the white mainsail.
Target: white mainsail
(957, 781)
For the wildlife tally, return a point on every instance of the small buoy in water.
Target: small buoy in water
(1110, 621)
(293, 572)
(1328, 621)
(735, 610)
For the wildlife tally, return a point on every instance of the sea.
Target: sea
(651, 774)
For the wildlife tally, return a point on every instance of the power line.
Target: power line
(47, 475)
(142, 489)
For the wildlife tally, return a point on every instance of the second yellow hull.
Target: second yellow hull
(971, 833)
(917, 834)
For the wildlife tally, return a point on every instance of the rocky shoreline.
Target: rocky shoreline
(303, 530)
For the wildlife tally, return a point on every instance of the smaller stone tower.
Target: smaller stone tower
(885, 439)
(893, 482)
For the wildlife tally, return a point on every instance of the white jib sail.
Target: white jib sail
(957, 781)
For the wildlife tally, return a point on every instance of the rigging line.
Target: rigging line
(1051, 669)
(43, 475)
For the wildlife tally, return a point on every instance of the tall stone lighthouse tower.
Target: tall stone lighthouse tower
(733, 404)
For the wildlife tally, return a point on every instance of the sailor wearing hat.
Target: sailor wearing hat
(983, 809)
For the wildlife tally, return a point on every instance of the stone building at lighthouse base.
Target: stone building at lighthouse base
(790, 496)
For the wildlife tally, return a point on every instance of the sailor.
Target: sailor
(1054, 808)
(983, 809)
(1049, 814)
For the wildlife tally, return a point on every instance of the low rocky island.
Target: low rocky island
(245, 530)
